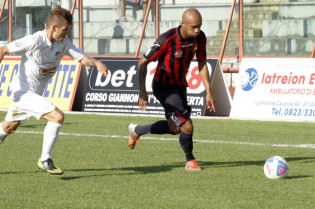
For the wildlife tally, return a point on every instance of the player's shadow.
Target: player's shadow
(97, 172)
(151, 169)
(121, 171)
(169, 167)
(206, 165)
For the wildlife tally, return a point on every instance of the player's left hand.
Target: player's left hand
(210, 103)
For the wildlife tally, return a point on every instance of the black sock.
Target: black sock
(159, 127)
(187, 145)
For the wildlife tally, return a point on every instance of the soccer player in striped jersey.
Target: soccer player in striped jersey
(174, 51)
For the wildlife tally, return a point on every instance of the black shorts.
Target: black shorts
(174, 101)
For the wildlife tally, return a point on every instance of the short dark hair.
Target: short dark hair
(59, 15)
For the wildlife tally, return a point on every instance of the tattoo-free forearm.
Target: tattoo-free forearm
(142, 76)
(204, 74)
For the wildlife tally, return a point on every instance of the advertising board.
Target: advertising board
(118, 92)
(60, 89)
(275, 89)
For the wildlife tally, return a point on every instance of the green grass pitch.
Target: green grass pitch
(101, 172)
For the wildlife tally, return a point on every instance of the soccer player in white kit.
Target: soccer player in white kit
(41, 56)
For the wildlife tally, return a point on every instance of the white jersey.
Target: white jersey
(40, 60)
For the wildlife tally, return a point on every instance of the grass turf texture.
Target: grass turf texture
(101, 172)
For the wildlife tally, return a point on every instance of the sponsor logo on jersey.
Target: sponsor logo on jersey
(187, 45)
(48, 71)
(178, 54)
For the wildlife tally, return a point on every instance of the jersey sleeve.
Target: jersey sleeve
(74, 52)
(22, 45)
(157, 49)
(201, 53)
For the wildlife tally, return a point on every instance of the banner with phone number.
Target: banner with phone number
(60, 90)
(275, 89)
(119, 91)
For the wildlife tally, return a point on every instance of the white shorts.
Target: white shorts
(28, 105)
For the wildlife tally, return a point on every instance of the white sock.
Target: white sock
(51, 133)
(3, 134)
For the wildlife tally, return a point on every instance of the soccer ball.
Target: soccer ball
(276, 167)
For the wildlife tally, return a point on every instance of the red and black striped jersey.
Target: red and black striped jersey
(174, 55)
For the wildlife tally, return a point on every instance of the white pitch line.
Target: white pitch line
(309, 146)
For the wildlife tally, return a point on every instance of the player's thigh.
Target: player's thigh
(175, 106)
(29, 105)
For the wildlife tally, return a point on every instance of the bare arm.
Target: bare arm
(90, 61)
(3, 51)
(204, 74)
(143, 96)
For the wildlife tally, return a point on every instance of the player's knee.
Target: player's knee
(187, 127)
(56, 116)
(60, 118)
(10, 127)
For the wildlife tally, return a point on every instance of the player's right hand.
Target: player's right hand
(143, 100)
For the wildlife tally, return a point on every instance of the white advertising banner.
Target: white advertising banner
(275, 89)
